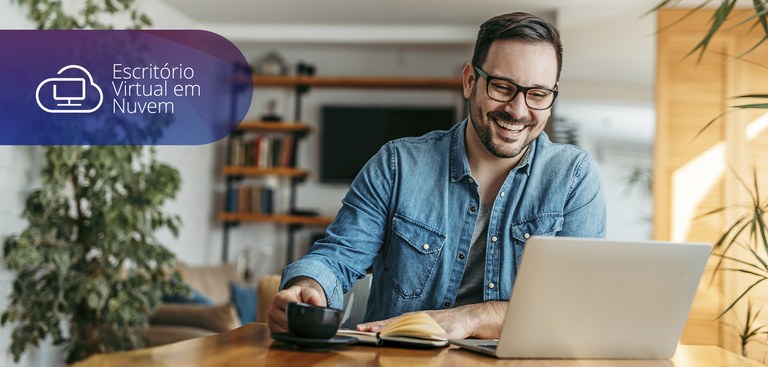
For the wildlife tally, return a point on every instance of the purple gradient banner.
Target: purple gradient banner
(120, 87)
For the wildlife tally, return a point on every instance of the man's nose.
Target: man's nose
(517, 107)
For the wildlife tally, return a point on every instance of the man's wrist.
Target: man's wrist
(484, 319)
(305, 281)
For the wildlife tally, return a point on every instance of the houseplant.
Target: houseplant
(741, 247)
(89, 268)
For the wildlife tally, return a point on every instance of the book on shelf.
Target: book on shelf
(414, 329)
(254, 199)
(263, 151)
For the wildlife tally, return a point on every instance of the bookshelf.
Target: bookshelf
(260, 149)
(287, 167)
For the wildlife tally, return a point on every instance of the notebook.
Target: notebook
(598, 299)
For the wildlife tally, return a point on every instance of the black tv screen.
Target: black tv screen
(350, 136)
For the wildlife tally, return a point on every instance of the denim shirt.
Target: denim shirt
(410, 213)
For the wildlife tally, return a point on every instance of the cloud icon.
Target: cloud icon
(68, 94)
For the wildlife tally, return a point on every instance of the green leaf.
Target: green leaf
(752, 106)
(744, 293)
(761, 10)
(718, 19)
(668, 3)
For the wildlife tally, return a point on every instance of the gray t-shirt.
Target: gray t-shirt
(471, 287)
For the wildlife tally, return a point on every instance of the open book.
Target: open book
(415, 329)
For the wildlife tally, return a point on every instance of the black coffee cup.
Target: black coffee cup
(308, 321)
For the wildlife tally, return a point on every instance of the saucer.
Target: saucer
(314, 343)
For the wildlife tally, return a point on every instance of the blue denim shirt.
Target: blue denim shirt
(410, 213)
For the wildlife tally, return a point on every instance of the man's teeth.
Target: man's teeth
(508, 126)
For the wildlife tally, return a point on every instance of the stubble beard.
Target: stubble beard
(508, 148)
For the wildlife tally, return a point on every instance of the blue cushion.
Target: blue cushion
(244, 299)
(196, 297)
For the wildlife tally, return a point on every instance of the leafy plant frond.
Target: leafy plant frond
(89, 269)
(710, 123)
(740, 261)
(752, 96)
(744, 271)
(754, 47)
(672, 3)
(757, 16)
(752, 106)
(750, 329)
(718, 19)
(742, 295)
(761, 10)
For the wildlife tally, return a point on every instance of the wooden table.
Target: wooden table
(252, 346)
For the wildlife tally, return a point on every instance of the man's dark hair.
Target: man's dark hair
(517, 26)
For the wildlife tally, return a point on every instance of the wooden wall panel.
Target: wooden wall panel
(694, 176)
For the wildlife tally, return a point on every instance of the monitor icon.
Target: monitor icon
(68, 90)
(67, 94)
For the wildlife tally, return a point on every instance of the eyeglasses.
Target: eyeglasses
(504, 90)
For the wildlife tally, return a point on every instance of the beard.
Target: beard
(507, 147)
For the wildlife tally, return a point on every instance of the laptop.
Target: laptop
(582, 298)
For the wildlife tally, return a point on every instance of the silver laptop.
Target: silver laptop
(598, 299)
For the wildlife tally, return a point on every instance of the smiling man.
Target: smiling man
(441, 220)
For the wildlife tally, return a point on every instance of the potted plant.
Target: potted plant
(89, 270)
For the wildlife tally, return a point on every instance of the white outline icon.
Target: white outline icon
(69, 99)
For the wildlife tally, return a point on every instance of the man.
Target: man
(442, 219)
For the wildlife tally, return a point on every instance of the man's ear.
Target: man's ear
(468, 79)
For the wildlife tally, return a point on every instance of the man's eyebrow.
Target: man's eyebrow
(527, 86)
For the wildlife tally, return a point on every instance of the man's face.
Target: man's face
(506, 129)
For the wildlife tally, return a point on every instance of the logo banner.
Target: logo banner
(120, 87)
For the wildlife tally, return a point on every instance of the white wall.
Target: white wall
(20, 168)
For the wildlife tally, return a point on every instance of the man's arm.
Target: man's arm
(352, 241)
(479, 320)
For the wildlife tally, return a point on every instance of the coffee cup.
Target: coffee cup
(309, 321)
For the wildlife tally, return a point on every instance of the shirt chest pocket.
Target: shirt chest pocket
(541, 225)
(411, 257)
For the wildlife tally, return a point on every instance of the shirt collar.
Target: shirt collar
(460, 162)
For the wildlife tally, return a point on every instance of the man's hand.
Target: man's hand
(480, 320)
(300, 289)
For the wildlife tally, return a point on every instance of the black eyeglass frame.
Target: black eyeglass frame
(519, 89)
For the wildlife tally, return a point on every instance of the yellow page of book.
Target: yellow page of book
(416, 325)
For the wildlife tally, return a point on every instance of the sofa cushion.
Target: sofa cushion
(244, 299)
(195, 297)
(211, 281)
(218, 318)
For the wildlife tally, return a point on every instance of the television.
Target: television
(350, 136)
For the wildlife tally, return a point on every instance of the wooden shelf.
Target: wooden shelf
(276, 218)
(259, 171)
(358, 82)
(274, 126)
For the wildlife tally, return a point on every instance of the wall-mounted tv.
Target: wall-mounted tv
(350, 136)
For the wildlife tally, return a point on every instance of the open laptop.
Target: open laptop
(598, 299)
